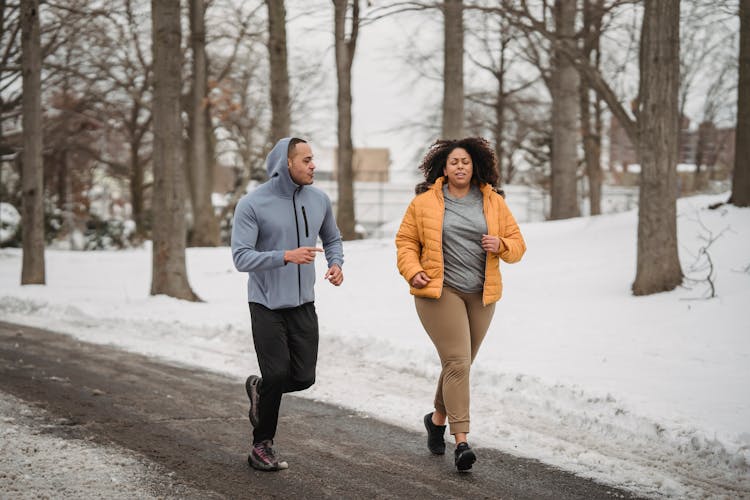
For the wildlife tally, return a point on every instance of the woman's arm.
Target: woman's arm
(512, 243)
(408, 245)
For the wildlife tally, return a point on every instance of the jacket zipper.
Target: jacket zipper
(304, 216)
(296, 230)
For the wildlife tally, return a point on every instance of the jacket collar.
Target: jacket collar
(485, 188)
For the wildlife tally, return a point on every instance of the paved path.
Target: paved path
(194, 424)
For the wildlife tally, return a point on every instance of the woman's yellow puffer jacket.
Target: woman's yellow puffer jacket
(419, 241)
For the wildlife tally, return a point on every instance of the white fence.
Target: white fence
(380, 206)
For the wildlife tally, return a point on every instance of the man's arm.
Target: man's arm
(245, 237)
(331, 238)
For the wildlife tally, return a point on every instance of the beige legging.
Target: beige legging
(457, 323)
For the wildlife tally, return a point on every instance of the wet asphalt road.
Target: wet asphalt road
(194, 424)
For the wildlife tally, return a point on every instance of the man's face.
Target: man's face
(301, 166)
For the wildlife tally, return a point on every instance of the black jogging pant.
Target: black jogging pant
(286, 343)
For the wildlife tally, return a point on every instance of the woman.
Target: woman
(451, 240)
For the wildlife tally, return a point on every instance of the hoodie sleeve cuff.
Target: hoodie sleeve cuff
(336, 262)
(278, 258)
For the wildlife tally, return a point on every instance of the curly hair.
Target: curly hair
(482, 158)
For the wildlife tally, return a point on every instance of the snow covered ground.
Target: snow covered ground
(648, 393)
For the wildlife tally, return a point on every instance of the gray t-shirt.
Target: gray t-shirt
(463, 226)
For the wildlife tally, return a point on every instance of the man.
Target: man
(274, 238)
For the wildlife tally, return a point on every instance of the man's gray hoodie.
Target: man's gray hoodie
(277, 216)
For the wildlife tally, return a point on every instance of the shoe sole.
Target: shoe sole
(466, 460)
(266, 468)
(250, 384)
(427, 421)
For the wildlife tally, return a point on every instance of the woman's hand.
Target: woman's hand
(420, 280)
(491, 243)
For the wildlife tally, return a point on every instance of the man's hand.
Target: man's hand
(420, 280)
(335, 275)
(301, 255)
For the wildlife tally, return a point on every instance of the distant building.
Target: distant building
(368, 164)
(708, 145)
(706, 153)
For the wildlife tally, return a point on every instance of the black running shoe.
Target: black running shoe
(251, 387)
(262, 457)
(435, 436)
(465, 457)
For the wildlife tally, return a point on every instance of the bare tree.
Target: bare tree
(565, 99)
(32, 271)
(119, 76)
(345, 47)
(710, 143)
(703, 38)
(653, 132)
(591, 132)
(169, 273)
(497, 59)
(741, 176)
(453, 70)
(239, 111)
(658, 266)
(279, 85)
(205, 230)
(10, 72)
(548, 36)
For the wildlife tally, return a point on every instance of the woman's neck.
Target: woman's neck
(459, 192)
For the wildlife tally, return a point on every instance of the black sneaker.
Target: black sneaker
(251, 387)
(465, 457)
(262, 457)
(435, 436)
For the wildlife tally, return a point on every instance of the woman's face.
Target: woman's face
(459, 168)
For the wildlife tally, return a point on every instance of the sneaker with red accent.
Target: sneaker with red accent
(262, 457)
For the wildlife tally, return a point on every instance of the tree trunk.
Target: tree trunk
(500, 114)
(280, 119)
(499, 131)
(658, 266)
(32, 270)
(205, 231)
(453, 70)
(169, 274)
(741, 177)
(344, 58)
(591, 141)
(565, 102)
(136, 190)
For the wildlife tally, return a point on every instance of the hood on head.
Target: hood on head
(276, 161)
